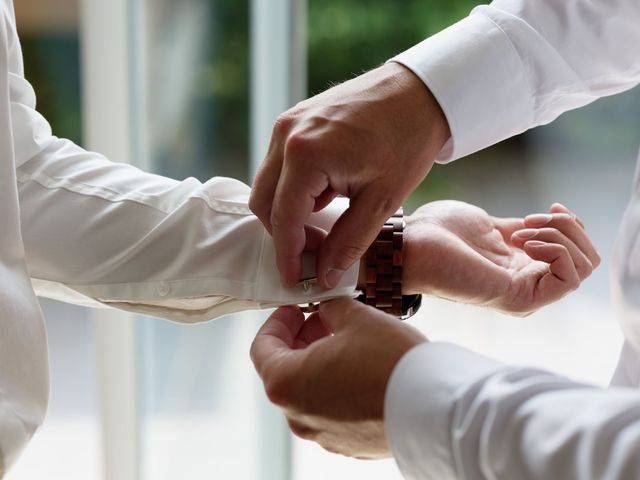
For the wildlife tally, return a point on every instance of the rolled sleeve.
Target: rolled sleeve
(477, 77)
(516, 64)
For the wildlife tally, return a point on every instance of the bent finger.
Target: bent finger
(266, 181)
(580, 261)
(568, 225)
(351, 235)
(312, 330)
(562, 277)
(560, 208)
(276, 337)
(294, 202)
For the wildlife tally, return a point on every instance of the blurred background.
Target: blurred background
(203, 82)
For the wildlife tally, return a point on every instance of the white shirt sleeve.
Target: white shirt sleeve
(101, 233)
(627, 373)
(516, 64)
(452, 414)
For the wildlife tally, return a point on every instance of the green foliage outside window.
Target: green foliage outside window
(348, 37)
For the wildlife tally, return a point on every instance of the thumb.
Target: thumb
(276, 338)
(351, 236)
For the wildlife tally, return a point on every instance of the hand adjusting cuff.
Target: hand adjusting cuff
(384, 261)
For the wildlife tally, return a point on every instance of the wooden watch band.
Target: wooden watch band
(384, 262)
(383, 274)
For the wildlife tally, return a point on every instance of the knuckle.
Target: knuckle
(302, 431)
(559, 250)
(329, 447)
(280, 219)
(584, 270)
(553, 233)
(278, 391)
(573, 283)
(298, 146)
(563, 218)
(596, 260)
(256, 206)
(350, 252)
(519, 311)
(252, 353)
(385, 206)
(564, 252)
(283, 124)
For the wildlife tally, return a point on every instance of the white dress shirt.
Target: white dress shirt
(80, 228)
(450, 413)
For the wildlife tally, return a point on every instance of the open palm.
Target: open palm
(458, 251)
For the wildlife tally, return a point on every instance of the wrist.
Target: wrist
(381, 272)
(414, 280)
(428, 114)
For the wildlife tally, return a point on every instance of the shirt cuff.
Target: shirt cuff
(420, 402)
(465, 67)
(269, 285)
(627, 372)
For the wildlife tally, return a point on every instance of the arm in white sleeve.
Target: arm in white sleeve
(452, 414)
(627, 373)
(103, 233)
(516, 64)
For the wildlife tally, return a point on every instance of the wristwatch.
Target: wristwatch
(384, 261)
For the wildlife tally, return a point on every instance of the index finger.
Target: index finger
(266, 182)
(293, 203)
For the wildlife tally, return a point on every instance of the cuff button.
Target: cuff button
(164, 289)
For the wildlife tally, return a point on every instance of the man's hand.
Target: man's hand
(458, 251)
(372, 139)
(332, 387)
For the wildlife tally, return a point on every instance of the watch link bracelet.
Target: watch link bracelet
(383, 263)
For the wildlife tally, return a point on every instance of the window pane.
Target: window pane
(67, 447)
(195, 87)
(198, 390)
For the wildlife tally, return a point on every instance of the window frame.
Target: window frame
(112, 52)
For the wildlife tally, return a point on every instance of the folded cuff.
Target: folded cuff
(475, 73)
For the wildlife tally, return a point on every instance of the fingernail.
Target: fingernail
(535, 243)
(527, 233)
(538, 219)
(333, 277)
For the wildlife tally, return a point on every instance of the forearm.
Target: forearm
(478, 419)
(113, 233)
